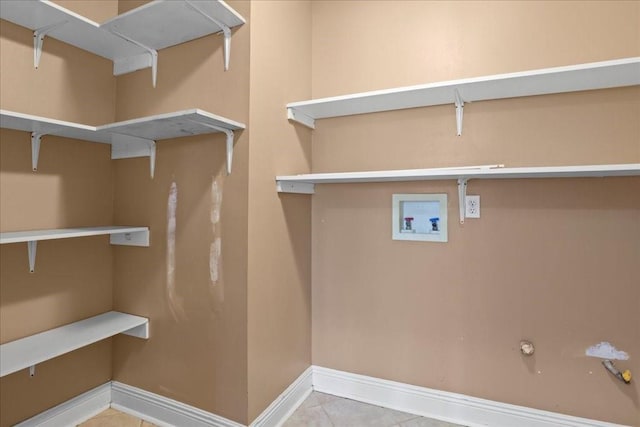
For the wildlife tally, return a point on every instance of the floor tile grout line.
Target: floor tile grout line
(327, 414)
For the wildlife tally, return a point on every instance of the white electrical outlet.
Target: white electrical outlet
(472, 206)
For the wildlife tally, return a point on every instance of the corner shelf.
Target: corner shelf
(28, 352)
(130, 40)
(305, 184)
(161, 24)
(131, 138)
(139, 135)
(596, 75)
(41, 126)
(119, 235)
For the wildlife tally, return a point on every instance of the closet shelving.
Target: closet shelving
(130, 40)
(119, 235)
(131, 138)
(41, 126)
(596, 75)
(135, 138)
(29, 351)
(305, 184)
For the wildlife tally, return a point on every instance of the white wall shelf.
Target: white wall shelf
(131, 138)
(46, 18)
(596, 75)
(147, 130)
(28, 352)
(130, 40)
(161, 24)
(41, 126)
(305, 184)
(119, 235)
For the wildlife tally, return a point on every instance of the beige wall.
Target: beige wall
(553, 261)
(279, 307)
(550, 260)
(72, 278)
(197, 353)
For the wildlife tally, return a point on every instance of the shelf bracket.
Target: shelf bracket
(36, 138)
(32, 371)
(31, 248)
(462, 197)
(152, 159)
(126, 147)
(137, 238)
(38, 40)
(226, 32)
(229, 134)
(459, 112)
(141, 331)
(295, 187)
(121, 66)
(303, 119)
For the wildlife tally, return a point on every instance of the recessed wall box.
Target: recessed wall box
(421, 217)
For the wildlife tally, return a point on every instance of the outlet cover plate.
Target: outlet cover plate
(472, 206)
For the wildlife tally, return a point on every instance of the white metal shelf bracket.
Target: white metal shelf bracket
(31, 248)
(459, 112)
(141, 331)
(32, 371)
(136, 238)
(295, 187)
(229, 134)
(38, 40)
(226, 31)
(36, 138)
(152, 52)
(152, 158)
(126, 146)
(303, 119)
(462, 196)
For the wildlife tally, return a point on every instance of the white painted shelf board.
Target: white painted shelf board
(75, 30)
(172, 125)
(46, 126)
(632, 169)
(66, 233)
(597, 75)
(160, 24)
(158, 127)
(29, 351)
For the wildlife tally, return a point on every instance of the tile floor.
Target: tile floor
(319, 410)
(113, 418)
(325, 410)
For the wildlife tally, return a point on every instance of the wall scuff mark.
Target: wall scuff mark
(174, 304)
(215, 250)
(605, 350)
(214, 257)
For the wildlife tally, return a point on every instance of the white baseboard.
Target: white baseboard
(442, 405)
(166, 412)
(284, 405)
(73, 411)
(162, 411)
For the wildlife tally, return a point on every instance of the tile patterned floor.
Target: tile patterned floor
(113, 418)
(319, 410)
(325, 410)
